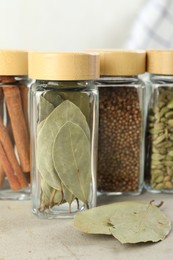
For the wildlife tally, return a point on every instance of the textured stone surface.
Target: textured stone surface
(25, 236)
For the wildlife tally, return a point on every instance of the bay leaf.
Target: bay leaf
(129, 222)
(45, 108)
(95, 220)
(39, 126)
(67, 195)
(81, 100)
(139, 222)
(50, 196)
(53, 97)
(71, 157)
(65, 112)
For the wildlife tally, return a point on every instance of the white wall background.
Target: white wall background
(66, 25)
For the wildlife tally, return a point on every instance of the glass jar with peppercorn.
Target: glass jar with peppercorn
(159, 132)
(14, 130)
(121, 122)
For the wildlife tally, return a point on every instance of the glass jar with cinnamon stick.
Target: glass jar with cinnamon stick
(14, 130)
(64, 126)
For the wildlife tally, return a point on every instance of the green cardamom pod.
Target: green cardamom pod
(170, 105)
(169, 115)
(170, 153)
(168, 163)
(160, 139)
(157, 157)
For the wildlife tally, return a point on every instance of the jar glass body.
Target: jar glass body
(121, 135)
(14, 138)
(159, 136)
(64, 132)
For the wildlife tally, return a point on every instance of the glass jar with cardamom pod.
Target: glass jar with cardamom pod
(64, 126)
(121, 122)
(159, 132)
(14, 130)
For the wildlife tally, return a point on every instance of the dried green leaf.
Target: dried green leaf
(95, 220)
(81, 100)
(65, 112)
(53, 97)
(45, 108)
(129, 222)
(71, 157)
(39, 126)
(136, 222)
(67, 195)
(49, 196)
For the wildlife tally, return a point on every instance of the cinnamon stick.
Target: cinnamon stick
(9, 150)
(24, 98)
(12, 179)
(21, 136)
(2, 176)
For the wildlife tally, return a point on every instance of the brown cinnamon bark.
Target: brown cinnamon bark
(12, 179)
(20, 132)
(24, 98)
(2, 176)
(9, 150)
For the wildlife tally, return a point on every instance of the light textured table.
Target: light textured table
(25, 236)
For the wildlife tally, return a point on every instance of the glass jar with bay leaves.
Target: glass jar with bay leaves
(159, 132)
(121, 122)
(14, 130)
(64, 126)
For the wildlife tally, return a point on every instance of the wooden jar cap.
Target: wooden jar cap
(64, 66)
(13, 63)
(122, 62)
(160, 62)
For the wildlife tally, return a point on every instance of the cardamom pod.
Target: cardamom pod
(168, 185)
(170, 105)
(157, 157)
(169, 115)
(170, 122)
(168, 163)
(160, 139)
(159, 179)
(170, 153)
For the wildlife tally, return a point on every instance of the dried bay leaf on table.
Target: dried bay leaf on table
(139, 222)
(71, 158)
(129, 222)
(95, 220)
(65, 112)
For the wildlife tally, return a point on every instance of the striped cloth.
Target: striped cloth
(153, 27)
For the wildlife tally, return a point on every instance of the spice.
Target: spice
(67, 135)
(20, 132)
(160, 141)
(119, 139)
(121, 129)
(14, 132)
(159, 132)
(64, 129)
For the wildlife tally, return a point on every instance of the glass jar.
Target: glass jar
(14, 131)
(64, 130)
(121, 123)
(159, 132)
